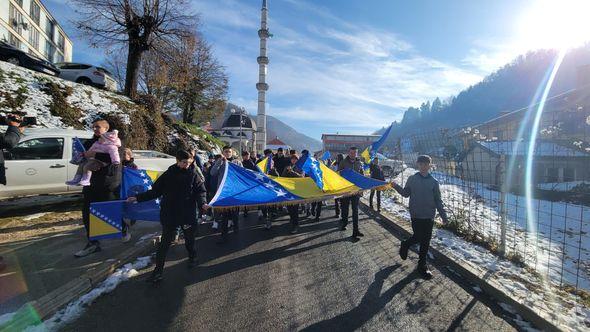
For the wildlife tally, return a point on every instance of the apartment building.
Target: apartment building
(340, 143)
(29, 26)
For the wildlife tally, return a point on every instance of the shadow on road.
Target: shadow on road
(372, 303)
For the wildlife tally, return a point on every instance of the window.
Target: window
(59, 57)
(49, 50)
(16, 19)
(49, 28)
(61, 42)
(552, 175)
(38, 149)
(20, 2)
(569, 174)
(34, 38)
(35, 12)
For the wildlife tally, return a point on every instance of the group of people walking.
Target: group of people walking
(186, 186)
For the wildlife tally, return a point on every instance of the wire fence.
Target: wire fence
(485, 171)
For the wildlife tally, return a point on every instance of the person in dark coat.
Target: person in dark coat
(128, 160)
(104, 184)
(8, 140)
(377, 174)
(181, 191)
(289, 172)
(248, 163)
(218, 169)
(280, 161)
(354, 163)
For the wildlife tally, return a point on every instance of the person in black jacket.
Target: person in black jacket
(377, 174)
(290, 172)
(8, 140)
(104, 184)
(280, 161)
(248, 163)
(181, 191)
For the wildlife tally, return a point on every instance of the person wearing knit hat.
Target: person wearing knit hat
(109, 143)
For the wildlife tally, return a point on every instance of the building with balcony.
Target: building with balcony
(339, 143)
(29, 26)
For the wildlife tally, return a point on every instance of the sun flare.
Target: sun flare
(555, 24)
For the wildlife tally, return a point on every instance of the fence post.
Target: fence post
(503, 211)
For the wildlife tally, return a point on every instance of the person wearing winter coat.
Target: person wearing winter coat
(8, 140)
(181, 191)
(289, 172)
(248, 163)
(425, 199)
(354, 163)
(108, 143)
(334, 167)
(377, 174)
(218, 170)
(104, 183)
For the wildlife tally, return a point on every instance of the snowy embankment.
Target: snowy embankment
(57, 103)
(550, 247)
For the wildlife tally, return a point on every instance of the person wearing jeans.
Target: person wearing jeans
(354, 163)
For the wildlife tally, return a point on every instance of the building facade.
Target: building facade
(29, 26)
(340, 143)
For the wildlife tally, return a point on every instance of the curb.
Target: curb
(480, 278)
(34, 312)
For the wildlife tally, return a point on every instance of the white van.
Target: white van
(39, 163)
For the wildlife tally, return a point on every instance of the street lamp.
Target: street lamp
(240, 113)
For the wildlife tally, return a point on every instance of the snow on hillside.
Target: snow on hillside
(57, 103)
(19, 82)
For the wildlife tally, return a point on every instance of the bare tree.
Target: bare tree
(139, 24)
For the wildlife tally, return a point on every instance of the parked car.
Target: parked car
(18, 57)
(39, 164)
(87, 74)
(391, 167)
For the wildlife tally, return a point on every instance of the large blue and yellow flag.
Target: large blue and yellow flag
(310, 166)
(241, 187)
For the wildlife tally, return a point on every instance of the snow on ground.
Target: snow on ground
(552, 243)
(530, 288)
(77, 307)
(561, 186)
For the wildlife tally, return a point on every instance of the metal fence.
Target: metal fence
(487, 170)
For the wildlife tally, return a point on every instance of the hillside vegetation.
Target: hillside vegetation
(63, 104)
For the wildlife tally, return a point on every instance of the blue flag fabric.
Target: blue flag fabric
(361, 181)
(136, 181)
(248, 188)
(377, 144)
(77, 150)
(311, 167)
(326, 155)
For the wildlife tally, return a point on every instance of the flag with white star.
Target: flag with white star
(106, 220)
(136, 181)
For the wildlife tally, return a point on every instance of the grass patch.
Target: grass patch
(14, 100)
(582, 295)
(60, 107)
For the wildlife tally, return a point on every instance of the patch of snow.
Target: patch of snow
(34, 216)
(77, 307)
(6, 317)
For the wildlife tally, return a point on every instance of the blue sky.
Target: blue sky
(352, 66)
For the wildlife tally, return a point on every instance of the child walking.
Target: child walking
(108, 142)
(424, 192)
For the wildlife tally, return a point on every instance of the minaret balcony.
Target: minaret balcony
(262, 60)
(261, 86)
(263, 33)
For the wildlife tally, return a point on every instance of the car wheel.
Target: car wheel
(14, 60)
(84, 80)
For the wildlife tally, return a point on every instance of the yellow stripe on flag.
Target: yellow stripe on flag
(334, 183)
(262, 164)
(153, 174)
(98, 227)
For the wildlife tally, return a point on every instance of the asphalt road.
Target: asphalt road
(316, 280)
